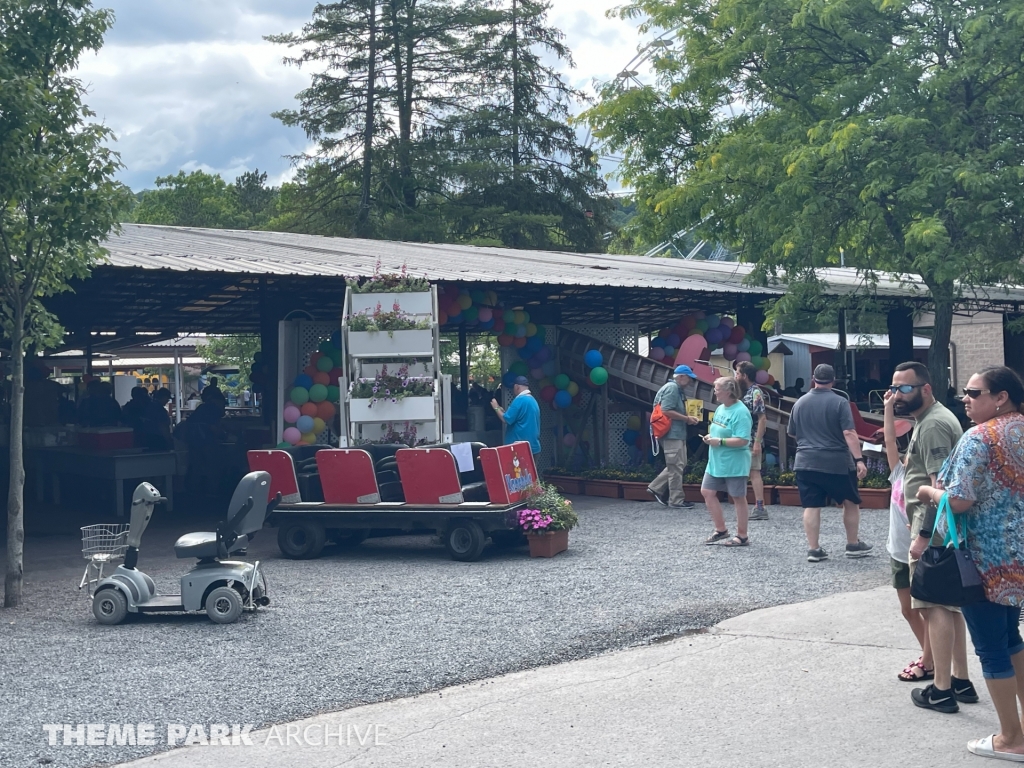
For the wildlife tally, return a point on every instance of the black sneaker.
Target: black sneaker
(931, 697)
(860, 549)
(816, 555)
(663, 500)
(964, 691)
(684, 505)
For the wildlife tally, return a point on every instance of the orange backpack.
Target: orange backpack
(660, 422)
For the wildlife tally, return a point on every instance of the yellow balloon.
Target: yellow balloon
(531, 329)
(309, 438)
(633, 422)
(465, 301)
(520, 317)
(573, 388)
(319, 425)
(526, 316)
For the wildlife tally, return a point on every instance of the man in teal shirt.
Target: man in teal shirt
(522, 416)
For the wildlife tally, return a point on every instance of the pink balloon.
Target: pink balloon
(537, 373)
(729, 350)
(761, 377)
(569, 440)
(486, 313)
(728, 322)
(657, 353)
(292, 435)
(291, 414)
(743, 356)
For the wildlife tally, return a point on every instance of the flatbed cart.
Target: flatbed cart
(399, 489)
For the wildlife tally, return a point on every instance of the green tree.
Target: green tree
(197, 199)
(237, 350)
(58, 197)
(888, 132)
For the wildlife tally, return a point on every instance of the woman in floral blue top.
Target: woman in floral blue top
(984, 480)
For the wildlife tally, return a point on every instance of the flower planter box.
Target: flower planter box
(874, 498)
(394, 344)
(769, 492)
(692, 492)
(635, 491)
(608, 488)
(548, 544)
(566, 484)
(789, 495)
(406, 409)
(418, 303)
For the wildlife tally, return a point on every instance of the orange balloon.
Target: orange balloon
(321, 377)
(308, 409)
(326, 410)
(310, 370)
(519, 342)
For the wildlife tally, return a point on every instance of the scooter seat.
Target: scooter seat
(203, 545)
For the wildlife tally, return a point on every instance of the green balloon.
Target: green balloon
(299, 395)
(333, 393)
(757, 361)
(471, 314)
(702, 325)
(324, 364)
(509, 316)
(335, 357)
(755, 348)
(284, 444)
(599, 375)
(326, 346)
(317, 393)
(561, 381)
(541, 330)
(520, 368)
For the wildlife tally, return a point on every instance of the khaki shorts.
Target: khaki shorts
(915, 603)
(757, 460)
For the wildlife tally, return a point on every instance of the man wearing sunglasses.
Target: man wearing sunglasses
(935, 433)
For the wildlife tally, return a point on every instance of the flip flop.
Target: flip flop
(984, 748)
(737, 541)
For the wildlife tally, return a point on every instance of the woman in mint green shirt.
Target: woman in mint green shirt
(728, 442)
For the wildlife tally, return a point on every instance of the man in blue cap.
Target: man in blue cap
(522, 416)
(667, 488)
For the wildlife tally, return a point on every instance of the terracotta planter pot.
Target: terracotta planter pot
(566, 484)
(874, 498)
(610, 489)
(768, 494)
(635, 491)
(789, 495)
(692, 492)
(548, 544)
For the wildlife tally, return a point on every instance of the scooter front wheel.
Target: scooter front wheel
(224, 605)
(109, 606)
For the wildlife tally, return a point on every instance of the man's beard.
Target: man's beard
(904, 407)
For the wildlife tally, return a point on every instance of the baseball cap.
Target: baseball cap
(824, 374)
(684, 370)
(522, 381)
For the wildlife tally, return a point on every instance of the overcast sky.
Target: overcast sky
(190, 84)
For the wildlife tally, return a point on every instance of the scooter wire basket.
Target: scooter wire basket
(102, 544)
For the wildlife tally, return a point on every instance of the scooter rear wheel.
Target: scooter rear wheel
(109, 606)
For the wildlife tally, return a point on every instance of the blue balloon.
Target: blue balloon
(673, 340)
(593, 359)
(487, 325)
(543, 354)
(629, 436)
(563, 399)
(336, 339)
(770, 460)
(659, 342)
(304, 381)
(305, 424)
(509, 378)
(550, 368)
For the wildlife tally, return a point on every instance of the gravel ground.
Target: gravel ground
(393, 618)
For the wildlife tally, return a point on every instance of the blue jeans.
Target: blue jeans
(995, 632)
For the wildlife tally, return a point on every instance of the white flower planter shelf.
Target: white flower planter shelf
(406, 409)
(395, 344)
(408, 303)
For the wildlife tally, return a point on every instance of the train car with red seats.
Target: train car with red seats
(466, 493)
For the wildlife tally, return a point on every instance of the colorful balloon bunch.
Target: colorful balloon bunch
(473, 308)
(310, 407)
(594, 360)
(718, 332)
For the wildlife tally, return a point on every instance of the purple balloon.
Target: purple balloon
(673, 340)
(728, 322)
(729, 350)
(761, 377)
(543, 355)
(712, 336)
(743, 356)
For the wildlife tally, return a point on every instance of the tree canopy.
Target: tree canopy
(200, 199)
(886, 133)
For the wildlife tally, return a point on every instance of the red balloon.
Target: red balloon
(499, 323)
(442, 317)
(320, 377)
(335, 374)
(737, 335)
(505, 340)
(688, 323)
(547, 394)
(315, 356)
(519, 342)
(308, 409)
(311, 371)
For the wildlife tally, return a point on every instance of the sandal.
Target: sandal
(716, 537)
(737, 541)
(910, 675)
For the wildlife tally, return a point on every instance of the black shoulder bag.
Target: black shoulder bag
(947, 575)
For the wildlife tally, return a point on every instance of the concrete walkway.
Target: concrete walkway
(812, 684)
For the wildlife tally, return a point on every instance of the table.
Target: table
(117, 465)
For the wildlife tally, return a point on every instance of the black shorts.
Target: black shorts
(816, 488)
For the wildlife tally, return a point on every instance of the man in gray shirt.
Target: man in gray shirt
(828, 461)
(667, 488)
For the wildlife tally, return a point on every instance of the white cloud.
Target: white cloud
(189, 84)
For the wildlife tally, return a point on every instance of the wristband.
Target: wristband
(860, 459)
(924, 532)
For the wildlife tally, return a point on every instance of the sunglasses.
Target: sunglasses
(904, 389)
(974, 394)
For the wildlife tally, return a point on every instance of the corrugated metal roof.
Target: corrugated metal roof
(282, 253)
(853, 340)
